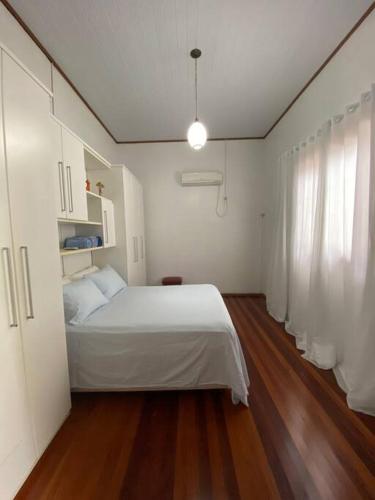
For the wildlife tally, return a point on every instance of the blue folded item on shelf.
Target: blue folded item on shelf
(83, 242)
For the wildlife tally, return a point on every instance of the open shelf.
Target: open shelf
(64, 252)
(86, 222)
(90, 193)
(94, 161)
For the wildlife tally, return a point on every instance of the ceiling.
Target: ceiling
(130, 58)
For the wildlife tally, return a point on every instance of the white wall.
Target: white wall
(68, 107)
(349, 73)
(184, 236)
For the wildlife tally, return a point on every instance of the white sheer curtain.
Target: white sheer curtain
(322, 267)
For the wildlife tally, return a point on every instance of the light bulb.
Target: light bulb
(197, 135)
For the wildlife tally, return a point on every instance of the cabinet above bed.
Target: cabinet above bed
(80, 213)
(73, 160)
(70, 175)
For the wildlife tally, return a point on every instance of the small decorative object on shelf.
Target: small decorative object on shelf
(88, 185)
(100, 187)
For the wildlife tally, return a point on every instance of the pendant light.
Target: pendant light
(197, 133)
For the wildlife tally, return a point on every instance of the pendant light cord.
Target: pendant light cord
(196, 90)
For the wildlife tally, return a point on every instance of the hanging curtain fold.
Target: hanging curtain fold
(322, 266)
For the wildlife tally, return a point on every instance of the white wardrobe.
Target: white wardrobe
(71, 174)
(34, 384)
(129, 255)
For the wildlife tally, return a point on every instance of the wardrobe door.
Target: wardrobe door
(132, 245)
(75, 172)
(59, 172)
(142, 236)
(17, 451)
(108, 218)
(31, 186)
(138, 230)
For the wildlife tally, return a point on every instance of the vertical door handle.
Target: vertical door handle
(106, 226)
(142, 249)
(62, 186)
(70, 192)
(135, 248)
(10, 292)
(27, 282)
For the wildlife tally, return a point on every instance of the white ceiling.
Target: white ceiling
(130, 58)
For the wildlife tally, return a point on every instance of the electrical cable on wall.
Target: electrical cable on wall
(223, 210)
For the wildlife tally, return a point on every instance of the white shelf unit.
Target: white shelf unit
(97, 215)
(128, 257)
(90, 193)
(85, 222)
(100, 223)
(65, 253)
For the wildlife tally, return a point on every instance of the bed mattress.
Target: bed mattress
(150, 337)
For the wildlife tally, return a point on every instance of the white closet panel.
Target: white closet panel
(142, 241)
(128, 257)
(31, 183)
(132, 243)
(75, 175)
(17, 451)
(108, 218)
(58, 168)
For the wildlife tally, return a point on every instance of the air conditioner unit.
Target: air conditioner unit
(210, 178)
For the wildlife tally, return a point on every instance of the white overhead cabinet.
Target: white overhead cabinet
(129, 255)
(70, 174)
(34, 384)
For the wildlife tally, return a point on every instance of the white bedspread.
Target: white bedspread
(179, 337)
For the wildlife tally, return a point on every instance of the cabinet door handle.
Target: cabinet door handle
(135, 248)
(27, 282)
(62, 186)
(142, 248)
(106, 226)
(10, 292)
(70, 192)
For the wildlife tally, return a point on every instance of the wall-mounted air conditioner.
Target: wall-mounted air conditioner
(210, 178)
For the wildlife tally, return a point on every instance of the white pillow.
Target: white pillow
(81, 298)
(107, 280)
(80, 274)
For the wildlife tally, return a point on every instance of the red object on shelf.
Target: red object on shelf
(172, 280)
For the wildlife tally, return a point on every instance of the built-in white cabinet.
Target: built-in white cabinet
(108, 219)
(34, 383)
(74, 162)
(134, 220)
(17, 447)
(70, 174)
(128, 257)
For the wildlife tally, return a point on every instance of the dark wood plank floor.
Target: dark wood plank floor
(297, 440)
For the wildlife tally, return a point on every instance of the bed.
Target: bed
(158, 338)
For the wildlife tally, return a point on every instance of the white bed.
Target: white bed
(148, 338)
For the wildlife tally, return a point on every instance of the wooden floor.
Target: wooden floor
(297, 440)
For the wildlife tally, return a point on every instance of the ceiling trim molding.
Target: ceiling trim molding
(255, 138)
(67, 79)
(320, 69)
